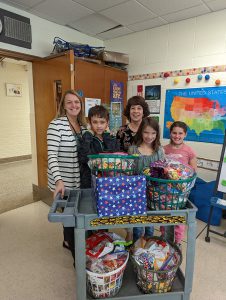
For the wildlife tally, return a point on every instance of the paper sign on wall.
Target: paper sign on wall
(90, 102)
(116, 99)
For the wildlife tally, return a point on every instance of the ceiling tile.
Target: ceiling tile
(62, 12)
(216, 4)
(93, 24)
(163, 7)
(128, 13)
(98, 5)
(187, 13)
(147, 24)
(111, 34)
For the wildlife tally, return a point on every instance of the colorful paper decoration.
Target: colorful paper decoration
(166, 74)
(174, 73)
(207, 77)
(217, 82)
(199, 77)
(176, 80)
(188, 80)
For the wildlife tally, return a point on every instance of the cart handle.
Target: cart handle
(66, 216)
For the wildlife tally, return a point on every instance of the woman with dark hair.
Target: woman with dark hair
(63, 137)
(136, 109)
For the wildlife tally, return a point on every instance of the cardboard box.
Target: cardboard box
(115, 57)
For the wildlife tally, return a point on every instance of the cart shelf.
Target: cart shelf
(79, 211)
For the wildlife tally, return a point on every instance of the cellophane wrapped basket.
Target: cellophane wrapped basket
(161, 280)
(106, 259)
(112, 164)
(168, 184)
(105, 285)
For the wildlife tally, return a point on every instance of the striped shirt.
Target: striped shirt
(62, 154)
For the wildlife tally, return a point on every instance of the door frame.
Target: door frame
(18, 55)
(28, 58)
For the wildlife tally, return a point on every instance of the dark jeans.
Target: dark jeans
(139, 231)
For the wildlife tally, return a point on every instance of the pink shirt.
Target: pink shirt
(184, 154)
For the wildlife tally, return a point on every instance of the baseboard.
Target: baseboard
(43, 194)
(14, 158)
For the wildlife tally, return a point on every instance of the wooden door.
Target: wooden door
(49, 73)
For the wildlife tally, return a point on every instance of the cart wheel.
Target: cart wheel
(207, 239)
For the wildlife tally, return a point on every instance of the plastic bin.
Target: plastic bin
(200, 195)
(157, 281)
(110, 165)
(105, 285)
(164, 194)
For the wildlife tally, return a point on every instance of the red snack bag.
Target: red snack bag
(96, 243)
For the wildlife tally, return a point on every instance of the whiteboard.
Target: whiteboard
(221, 175)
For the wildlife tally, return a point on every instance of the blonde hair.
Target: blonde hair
(62, 112)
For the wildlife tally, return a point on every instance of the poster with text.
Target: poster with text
(90, 102)
(202, 109)
(116, 100)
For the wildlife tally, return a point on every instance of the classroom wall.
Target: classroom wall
(193, 43)
(15, 135)
(43, 33)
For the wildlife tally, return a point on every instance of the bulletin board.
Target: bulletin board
(221, 174)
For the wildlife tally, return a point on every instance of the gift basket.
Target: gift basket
(106, 259)
(155, 264)
(168, 184)
(112, 164)
(118, 191)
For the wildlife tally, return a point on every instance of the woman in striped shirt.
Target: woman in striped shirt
(63, 136)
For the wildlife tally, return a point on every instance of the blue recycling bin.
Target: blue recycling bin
(201, 195)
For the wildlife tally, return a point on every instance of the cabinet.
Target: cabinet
(80, 214)
(73, 73)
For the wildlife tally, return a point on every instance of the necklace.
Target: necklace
(133, 128)
(73, 128)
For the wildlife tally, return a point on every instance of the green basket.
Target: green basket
(157, 281)
(164, 194)
(110, 165)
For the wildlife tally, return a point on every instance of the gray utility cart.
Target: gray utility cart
(79, 212)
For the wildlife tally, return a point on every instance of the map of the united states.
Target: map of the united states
(198, 113)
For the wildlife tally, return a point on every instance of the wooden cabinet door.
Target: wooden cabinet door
(46, 73)
(89, 78)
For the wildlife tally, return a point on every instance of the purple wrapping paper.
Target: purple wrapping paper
(121, 196)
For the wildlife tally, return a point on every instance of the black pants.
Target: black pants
(70, 239)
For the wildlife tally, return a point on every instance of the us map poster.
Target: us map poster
(202, 109)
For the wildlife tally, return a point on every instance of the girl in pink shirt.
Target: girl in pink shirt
(177, 150)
